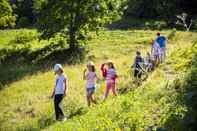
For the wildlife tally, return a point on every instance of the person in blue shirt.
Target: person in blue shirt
(161, 40)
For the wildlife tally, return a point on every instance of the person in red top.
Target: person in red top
(110, 75)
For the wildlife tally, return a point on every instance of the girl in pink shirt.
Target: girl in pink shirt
(90, 76)
(109, 73)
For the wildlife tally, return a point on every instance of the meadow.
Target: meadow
(25, 89)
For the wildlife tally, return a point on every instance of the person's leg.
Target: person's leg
(88, 99)
(114, 89)
(107, 89)
(135, 76)
(56, 107)
(156, 60)
(58, 110)
(92, 98)
(164, 54)
(88, 96)
(139, 75)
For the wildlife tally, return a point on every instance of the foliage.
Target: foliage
(24, 39)
(7, 19)
(75, 18)
(153, 106)
(23, 22)
(24, 11)
(182, 20)
(151, 8)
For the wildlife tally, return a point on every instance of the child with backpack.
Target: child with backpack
(59, 91)
(91, 77)
(138, 67)
(110, 75)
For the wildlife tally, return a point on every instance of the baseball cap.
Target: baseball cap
(57, 67)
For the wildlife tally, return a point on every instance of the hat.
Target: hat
(57, 67)
(90, 63)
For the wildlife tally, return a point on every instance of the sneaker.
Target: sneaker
(64, 119)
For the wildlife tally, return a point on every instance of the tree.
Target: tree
(24, 11)
(75, 18)
(182, 20)
(150, 9)
(7, 19)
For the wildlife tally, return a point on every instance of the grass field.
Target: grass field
(25, 103)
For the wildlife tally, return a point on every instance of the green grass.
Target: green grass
(25, 103)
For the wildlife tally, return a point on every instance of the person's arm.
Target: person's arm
(134, 63)
(53, 93)
(152, 49)
(84, 74)
(104, 70)
(66, 86)
(97, 78)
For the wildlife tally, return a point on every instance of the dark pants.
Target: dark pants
(137, 74)
(58, 111)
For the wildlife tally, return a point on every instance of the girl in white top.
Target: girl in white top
(59, 91)
(90, 76)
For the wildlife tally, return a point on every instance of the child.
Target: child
(59, 91)
(91, 77)
(148, 62)
(156, 52)
(109, 73)
(137, 66)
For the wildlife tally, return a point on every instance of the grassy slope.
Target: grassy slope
(148, 107)
(25, 105)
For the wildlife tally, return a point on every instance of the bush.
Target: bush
(195, 25)
(155, 24)
(7, 19)
(23, 22)
(23, 39)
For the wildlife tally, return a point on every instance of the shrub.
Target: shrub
(23, 39)
(23, 22)
(7, 19)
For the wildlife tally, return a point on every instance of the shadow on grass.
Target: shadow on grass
(46, 121)
(16, 64)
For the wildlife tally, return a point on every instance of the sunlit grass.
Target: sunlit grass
(25, 104)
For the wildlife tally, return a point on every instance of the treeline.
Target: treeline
(24, 13)
(161, 9)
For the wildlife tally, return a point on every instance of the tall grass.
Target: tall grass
(25, 103)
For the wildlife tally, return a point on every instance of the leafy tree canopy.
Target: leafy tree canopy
(76, 17)
(7, 19)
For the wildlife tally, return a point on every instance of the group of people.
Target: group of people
(143, 65)
(109, 74)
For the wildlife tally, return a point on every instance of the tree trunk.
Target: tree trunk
(72, 32)
(72, 39)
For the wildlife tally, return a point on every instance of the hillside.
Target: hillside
(25, 103)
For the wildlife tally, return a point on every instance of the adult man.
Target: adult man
(162, 41)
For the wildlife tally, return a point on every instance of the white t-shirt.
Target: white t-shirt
(91, 78)
(156, 49)
(60, 84)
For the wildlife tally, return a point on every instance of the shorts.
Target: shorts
(137, 73)
(90, 90)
